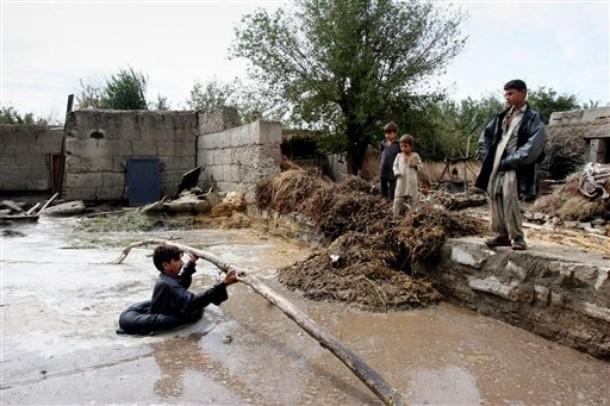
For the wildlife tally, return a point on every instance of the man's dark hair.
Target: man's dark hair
(165, 253)
(390, 127)
(516, 84)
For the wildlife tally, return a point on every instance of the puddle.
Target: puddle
(59, 309)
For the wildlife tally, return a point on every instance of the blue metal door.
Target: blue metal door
(143, 180)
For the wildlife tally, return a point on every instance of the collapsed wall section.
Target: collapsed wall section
(98, 144)
(576, 137)
(237, 158)
(551, 290)
(26, 156)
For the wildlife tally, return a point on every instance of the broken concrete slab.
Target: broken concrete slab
(66, 209)
(12, 206)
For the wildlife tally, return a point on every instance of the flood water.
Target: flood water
(61, 298)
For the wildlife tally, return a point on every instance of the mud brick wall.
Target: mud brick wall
(99, 142)
(237, 158)
(25, 156)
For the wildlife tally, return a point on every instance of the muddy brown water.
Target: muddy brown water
(61, 299)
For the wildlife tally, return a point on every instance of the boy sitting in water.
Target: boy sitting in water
(405, 169)
(172, 305)
(171, 295)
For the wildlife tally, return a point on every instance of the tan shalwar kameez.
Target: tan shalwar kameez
(506, 218)
(407, 190)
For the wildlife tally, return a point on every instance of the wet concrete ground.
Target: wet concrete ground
(61, 300)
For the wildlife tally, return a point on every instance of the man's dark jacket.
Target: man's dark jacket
(171, 297)
(531, 138)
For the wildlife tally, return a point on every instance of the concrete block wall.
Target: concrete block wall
(591, 126)
(99, 142)
(25, 156)
(237, 158)
(218, 121)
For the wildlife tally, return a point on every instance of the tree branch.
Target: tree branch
(373, 380)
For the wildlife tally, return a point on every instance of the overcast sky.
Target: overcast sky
(47, 46)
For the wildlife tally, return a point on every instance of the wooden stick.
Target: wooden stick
(48, 203)
(366, 374)
(33, 209)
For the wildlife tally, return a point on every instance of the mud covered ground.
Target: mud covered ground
(61, 299)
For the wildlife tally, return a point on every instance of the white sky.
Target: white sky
(47, 46)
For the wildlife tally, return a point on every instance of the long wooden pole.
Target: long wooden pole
(366, 374)
(48, 203)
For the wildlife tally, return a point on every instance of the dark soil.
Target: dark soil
(369, 256)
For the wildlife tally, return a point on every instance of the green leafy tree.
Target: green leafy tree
(251, 101)
(546, 101)
(342, 66)
(125, 90)
(9, 115)
(211, 96)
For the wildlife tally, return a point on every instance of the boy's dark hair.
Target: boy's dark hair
(390, 127)
(165, 253)
(516, 84)
(407, 139)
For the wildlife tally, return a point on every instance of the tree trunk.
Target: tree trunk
(356, 150)
(368, 376)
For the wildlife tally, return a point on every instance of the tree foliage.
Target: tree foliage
(88, 96)
(448, 128)
(125, 90)
(248, 99)
(9, 115)
(211, 96)
(546, 101)
(343, 66)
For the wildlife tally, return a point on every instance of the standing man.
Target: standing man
(389, 149)
(509, 148)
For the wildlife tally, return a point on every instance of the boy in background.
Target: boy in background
(389, 149)
(405, 168)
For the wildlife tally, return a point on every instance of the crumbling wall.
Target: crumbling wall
(554, 291)
(25, 156)
(99, 142)
(218, 121)
(572, 140)
(237, 158)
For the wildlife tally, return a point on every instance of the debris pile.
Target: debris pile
(355, 269)
(192, 209)
(456, 201)
(370, 253)
(568, 204)
(15, 211)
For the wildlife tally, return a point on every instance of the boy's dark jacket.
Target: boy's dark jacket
(386, 162)
(171, 296)
(531, 138)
